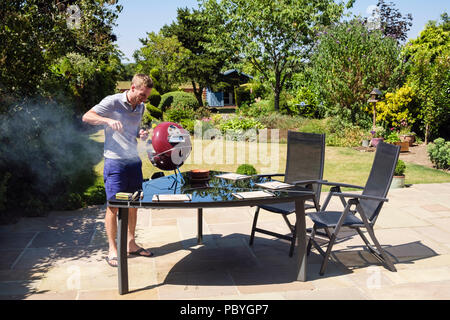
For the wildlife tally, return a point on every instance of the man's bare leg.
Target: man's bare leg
(132, 220)
(111, 232)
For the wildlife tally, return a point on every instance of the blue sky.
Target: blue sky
(141, 16)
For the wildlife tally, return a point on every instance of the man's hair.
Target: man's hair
(141, 79)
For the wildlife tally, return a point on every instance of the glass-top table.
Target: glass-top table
(211, 192)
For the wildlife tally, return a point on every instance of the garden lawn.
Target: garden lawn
(341, 164)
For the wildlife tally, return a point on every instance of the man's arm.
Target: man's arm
(93, 118)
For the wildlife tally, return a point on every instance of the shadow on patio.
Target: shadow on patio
(229, 261)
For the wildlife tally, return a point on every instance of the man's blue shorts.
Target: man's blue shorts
(122, 176)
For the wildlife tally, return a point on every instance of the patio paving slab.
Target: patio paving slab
(61, 257)
(439, 290)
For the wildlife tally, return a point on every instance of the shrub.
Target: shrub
(202, 112)
(53, 161)
(257, 109)
(216, 119)
(176, 114)
(306, 103)
(338, 132)
(178, 99)
(95, 195)
(235, 127)
(147, 120)
(398, 107)
(248, 93)
(247, 169)
(349, 137)
(276, 120)
(154, 111)
(314, 126)
(347, 63)
(392, 137)
(208, 130)
(154, 98)
(439, 153)
(188, 124)
(400, 168)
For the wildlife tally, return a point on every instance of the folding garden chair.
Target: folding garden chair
(304, 168)
(366, 205)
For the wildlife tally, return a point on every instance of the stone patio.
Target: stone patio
(61, 256)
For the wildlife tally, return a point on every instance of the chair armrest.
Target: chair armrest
(344, 185)
(359, 196)
(308, 181)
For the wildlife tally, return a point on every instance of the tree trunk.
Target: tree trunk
(198, 93)
(427, 128)
(277, 101)
(277, 91)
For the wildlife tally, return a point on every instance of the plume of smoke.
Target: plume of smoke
(43, 138)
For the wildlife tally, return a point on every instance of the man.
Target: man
(121, 115)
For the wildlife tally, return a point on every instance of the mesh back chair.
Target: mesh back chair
(366, 205)
(304, 168)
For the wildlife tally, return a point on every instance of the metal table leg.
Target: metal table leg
(301, 239)
(122, 234)
(199, 225)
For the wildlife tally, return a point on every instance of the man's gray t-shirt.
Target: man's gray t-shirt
(121, 145)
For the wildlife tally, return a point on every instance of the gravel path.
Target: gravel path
(418, 155)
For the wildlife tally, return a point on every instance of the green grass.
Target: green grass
(341, 164)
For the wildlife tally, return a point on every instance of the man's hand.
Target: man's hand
(143, 134)
(116, 125)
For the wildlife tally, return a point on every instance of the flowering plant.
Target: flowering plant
(392, 137)
(378, 132)
(405, 129)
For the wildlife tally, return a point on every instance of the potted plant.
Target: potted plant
(377, 136)
(405, 133)
(366, 136)
(394, 138)
(398, 181)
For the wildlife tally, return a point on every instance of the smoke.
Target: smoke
(42, 139)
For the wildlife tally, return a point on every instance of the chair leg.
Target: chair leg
(255, 219)
(310, 241)
(383, 254)
(327, 255)
(288, 223)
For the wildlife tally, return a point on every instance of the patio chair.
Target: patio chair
(304, 168)
(366, 205)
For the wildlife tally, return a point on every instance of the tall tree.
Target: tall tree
(274, 36)
(164, 53)
(393, 23)
(348, 62)
(428, 60)
(202, 67)
(36, 33)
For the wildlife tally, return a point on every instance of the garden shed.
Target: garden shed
(223, 94)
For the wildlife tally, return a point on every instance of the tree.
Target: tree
(202, 67)
(348, 62)
(164, 53)
(48, 54)
(428, 61)
(393, 24)
(274, 36)
(82, 82)
(36, 33)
